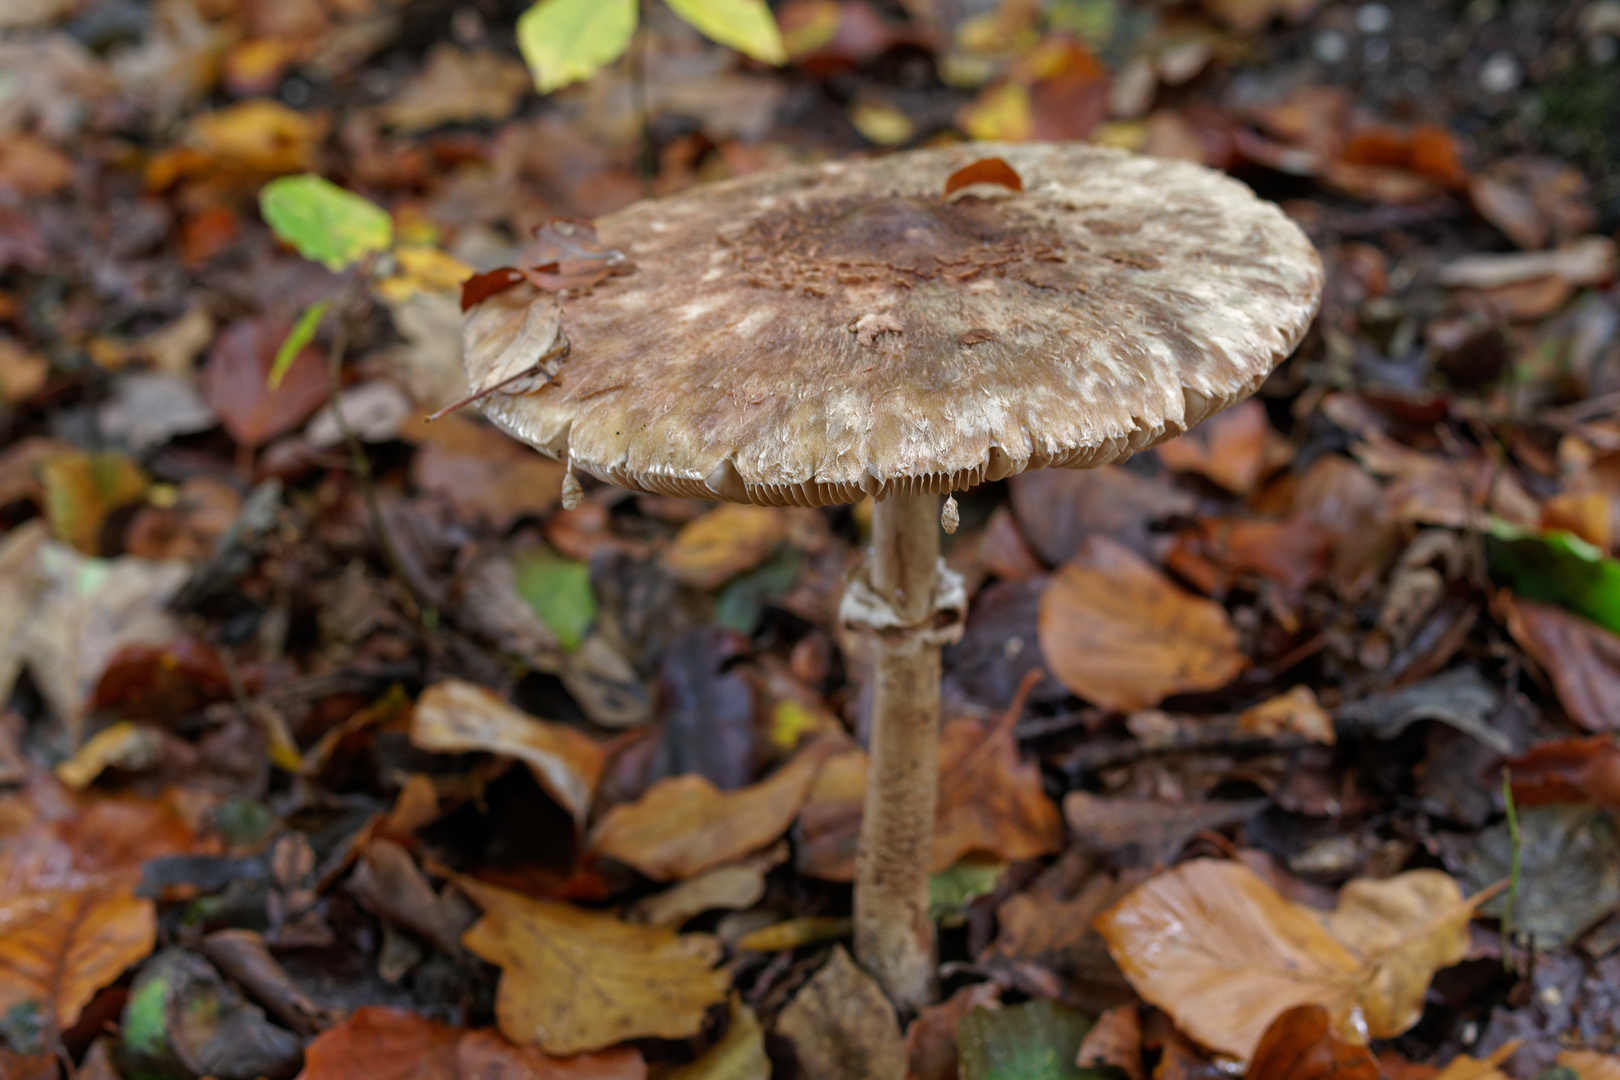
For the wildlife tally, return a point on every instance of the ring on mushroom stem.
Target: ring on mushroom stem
(900, 329)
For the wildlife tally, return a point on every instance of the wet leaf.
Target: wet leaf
(951, 890)
(1118, 633)
(745, 25)
(574, 981)
(1038, 1040)
(1300, 1045)
(841, 1025)
(1568, 771)
(724, 542)
(1581, 657)
(1147, 832)
(735, 888)
(323, 222)
(1229, 449)
(1556, 568)
(1115, 1040)
(384, 1044)
(1221, 952)
(565, 41)
(235, 382)
(182, 1018)
(123, 745)
(1058, 509)
(739, 1055)
(459, 717)
(1569, 871)
(685, 825)
(559, 590)
(82, 489)
(990, 801)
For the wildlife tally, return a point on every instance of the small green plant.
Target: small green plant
(1513, 874)
(565, 41)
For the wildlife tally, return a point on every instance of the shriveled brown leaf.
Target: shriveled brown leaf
(457, 717)
(734, 887)
(842, 1026)
(1115, 1040)
(573, 981)
(1581, 658)
(486, 1055)
(1295, 713)
(1464, 1067)
(1058, 509)
(384, 1044)
(483, 474)
(931, 1047)
(724, 542)
(1120, 634)
(1144, 831)
(1229, 449)
(1221, 952)
(684, 825)
(1301, 1045)
(1568, 771)
(989, 799)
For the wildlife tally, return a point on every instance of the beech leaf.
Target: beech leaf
(323, 222)
(564, 41)
(745, 25)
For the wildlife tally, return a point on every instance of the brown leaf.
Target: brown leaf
(235, 382)
(841, 1025)
(574, 981)
(989, 800)
(485, 1055)
(1590, 1065)
(1295, 713)
(1300, 1045)
(723, 543)
(1118, 633)
(1223, 953)
(67, 902)
(82, 489)
(384, 1044)
(457, 717)
(1229, 449)
(684, 825)
(387, 882)
(1568, 771)
(1138, 831)
(456, 86)
(483, 474)
(1581, 658)
(739, 1055)
(1115, 1040)
(1588, 261)
(244, 957)
(990, 170)
(931, 1048)
(1463, 1067)
(513, 343)
(1058, 509)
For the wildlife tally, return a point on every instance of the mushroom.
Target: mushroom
(826, 334)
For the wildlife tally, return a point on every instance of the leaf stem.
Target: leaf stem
(1513, 873)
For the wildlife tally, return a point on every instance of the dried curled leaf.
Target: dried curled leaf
(566, 255)
(990, 170)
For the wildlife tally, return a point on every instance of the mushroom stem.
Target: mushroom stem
(894, 937)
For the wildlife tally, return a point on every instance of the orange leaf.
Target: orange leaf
(1118, 633)
(1300, 1045)
(383, 1044)
(1569, 771)
(485, 1055)
(991, 170)
(723, 542)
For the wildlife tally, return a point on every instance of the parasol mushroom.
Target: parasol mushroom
(899, 329)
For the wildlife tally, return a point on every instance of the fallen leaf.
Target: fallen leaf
(733, 888)
(123, 745)
(1059, 509)
(148, 409)
(1118, 633)
(931, 1043)
(455, 86)
(1301, 1045)
(384, 1044)
(1251, 16)
(574, 981)
(235, 382)
(739, 1055)
(388, 883)
(485, 1055)
(723, 543)
(1590, 1065)
(569, 41)
(82, 490)
(1590, 261)
(324, 222)
(1221, 952)
(989, 800)
(458, 717)
(260, 134)
(842, 1026)
(1295, 713)
(483, 474)
(22, 373)
(1581, 657)
(1145, 831)
(1038, 1038)
(1229, 449)
(375, 411)
(684, 825)
(1115, 1041)
(559, 590)
(796, 933)
(1568, 771)
(1463, 1067)
(1569, 875)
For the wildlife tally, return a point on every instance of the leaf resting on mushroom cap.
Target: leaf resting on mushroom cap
(812, 335)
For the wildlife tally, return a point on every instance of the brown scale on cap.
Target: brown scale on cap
(815, 335)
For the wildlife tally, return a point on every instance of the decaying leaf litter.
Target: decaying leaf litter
(311, 768)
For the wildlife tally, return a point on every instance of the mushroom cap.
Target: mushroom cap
(814, 335)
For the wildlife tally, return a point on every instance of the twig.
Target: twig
(1514, 869)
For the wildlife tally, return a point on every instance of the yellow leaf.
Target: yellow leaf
(457, 717)
(740, 1055)
(744, 25)
(565, 41)
(259, 134)
(724, 542)
(882, 124)
(805, 930)
(1000, 114)
(574, 981)
(123, 745)
(1590, 1065)
(422, 268)
(82, 489)
(1223, 954)
(684, 825)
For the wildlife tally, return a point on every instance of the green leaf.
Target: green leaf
(1556, 568)
(742, 600)
(559, 591)
(951, 891)
(303, 332)
(1038, 1040)
(323, 222)
(746, 25)
(565, 41)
